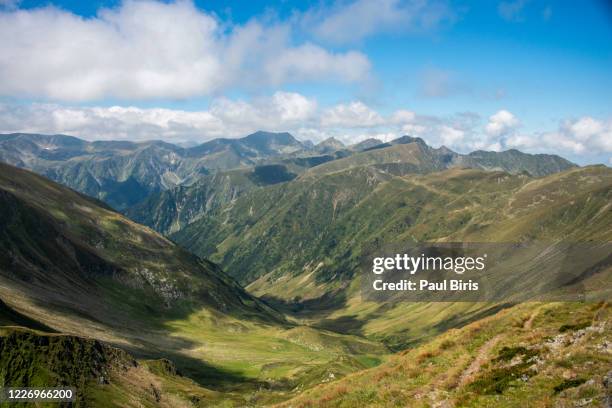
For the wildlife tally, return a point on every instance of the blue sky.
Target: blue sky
(526, 74)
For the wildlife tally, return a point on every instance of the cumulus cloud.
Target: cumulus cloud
(352, 115)
(501, 123)
(224, 118)
(351, 22)
(138, 51)
(585, 135)
(451, 136)
(403, 116)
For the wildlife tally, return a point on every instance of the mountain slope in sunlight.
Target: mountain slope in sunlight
(71, 266)
(538, 355)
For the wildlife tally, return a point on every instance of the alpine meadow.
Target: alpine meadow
(361, 203)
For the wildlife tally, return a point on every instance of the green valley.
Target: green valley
(305, 204)
(157, 325)
(71, 265)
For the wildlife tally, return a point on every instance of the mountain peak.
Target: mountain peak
(366, 144)
(329, 145)
(283, 138)
(331, 141)
(408, 139)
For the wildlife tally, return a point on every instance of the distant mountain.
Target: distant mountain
(405, 155)
(412, 155)
(365, 144)
(514, 161)
(329, 145)
(123, 173)
(233, 153)
(171, 210)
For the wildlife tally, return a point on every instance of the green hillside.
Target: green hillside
(287, 229)
(70, 265)
(528, 355)
(300, 245)
(175, 209)
(171, 210)
(101, 375)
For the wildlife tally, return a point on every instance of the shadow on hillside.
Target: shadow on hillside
(204, 374)
(343, 324)
(10, 317)
(308, 308)
(461, 320)
(147, 338)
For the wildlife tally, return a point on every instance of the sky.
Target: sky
(533, 75)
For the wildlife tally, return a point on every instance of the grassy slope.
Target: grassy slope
(103, 376)
(452, 205)
(463, 206)
(170, 211)
(527, 353)
(82, 269)
(304, 240)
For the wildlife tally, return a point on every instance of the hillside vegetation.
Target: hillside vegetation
(70, 265)
(93, 298)
(537, 355)
(301, 244)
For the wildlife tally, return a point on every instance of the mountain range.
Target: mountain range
(123, 173)
(232, 275)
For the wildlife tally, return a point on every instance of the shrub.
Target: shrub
(577, 326)
(508, 353)
(569, 384)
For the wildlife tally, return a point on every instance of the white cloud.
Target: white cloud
(352, 115)
(584, 136)
(413, 129)
(585, 128)
(139, 51)
(451, 136)
(293, 106)
(403, 116)
(501, 123)
(225, 118)
(351, 22)
(310, 62)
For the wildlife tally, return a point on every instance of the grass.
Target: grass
(303, 242)
(521, 365)
(126, 285)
